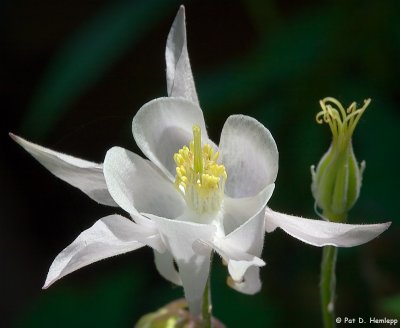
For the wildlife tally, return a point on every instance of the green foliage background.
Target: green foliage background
(75, 73)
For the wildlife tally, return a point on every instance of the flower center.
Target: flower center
(198, 177)
(342, 122)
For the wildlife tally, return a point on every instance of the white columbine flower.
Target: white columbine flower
(189, 197)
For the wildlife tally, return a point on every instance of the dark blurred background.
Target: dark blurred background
(75, 72)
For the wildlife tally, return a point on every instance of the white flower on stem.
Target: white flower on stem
(188, 199)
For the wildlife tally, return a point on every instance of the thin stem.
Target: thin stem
(206, 309)
(328, 285)
(328, 276)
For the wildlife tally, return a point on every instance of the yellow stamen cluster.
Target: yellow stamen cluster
(198, 177)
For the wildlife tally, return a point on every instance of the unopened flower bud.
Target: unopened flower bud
(336, 182)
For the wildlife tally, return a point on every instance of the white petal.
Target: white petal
(238, 260)
(242, 248)
(163, 126)
(246, 239)
(165, 266)
(179, 237)
(249, 237)
(109, 236)
(251, 283)
(249, 154)
(322, 233)
(238, 210)
(84, 175)
(180, 81)
(138, 186)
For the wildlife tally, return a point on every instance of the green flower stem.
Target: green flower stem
(328, 285)
(206, 310)
(328, 276)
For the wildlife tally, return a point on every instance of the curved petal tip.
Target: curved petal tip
(322, 233)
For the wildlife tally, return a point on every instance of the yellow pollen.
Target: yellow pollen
(198, 177)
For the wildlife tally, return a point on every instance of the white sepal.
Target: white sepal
(322, 233)
(109, 236)
(84, 175)
(180, 81)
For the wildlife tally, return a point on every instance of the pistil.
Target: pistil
(199, 178)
